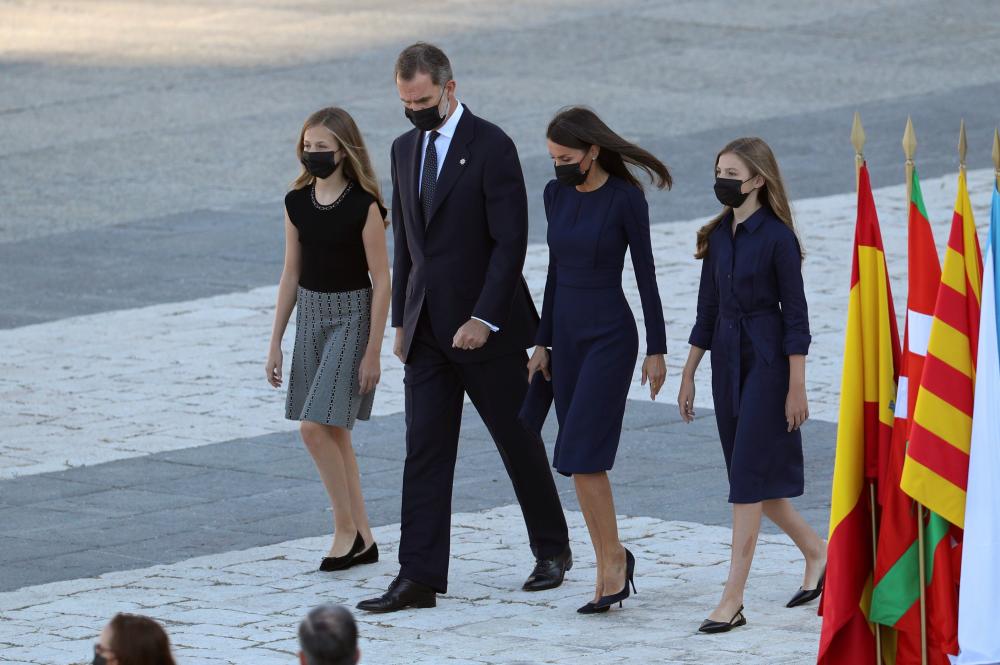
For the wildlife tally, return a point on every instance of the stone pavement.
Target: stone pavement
(170, 506)
(244, 606)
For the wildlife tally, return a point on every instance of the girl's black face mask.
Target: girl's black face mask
(727, 190)
(320, 164)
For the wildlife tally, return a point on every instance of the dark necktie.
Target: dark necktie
(428, 181)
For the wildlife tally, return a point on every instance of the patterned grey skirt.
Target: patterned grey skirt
(331, 333)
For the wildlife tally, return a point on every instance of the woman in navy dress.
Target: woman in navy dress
(752, 315)
(596, 211)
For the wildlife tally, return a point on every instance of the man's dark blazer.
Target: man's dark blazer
(467, 259)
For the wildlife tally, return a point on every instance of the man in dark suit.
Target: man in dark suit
(463, 318)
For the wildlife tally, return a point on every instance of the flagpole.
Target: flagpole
(909, 149)
(996, 155)
(962, 147)
(858, 141)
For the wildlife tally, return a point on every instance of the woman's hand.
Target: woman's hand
(539, 362)
(272, 369)
(796, 407)
(685, 398)
(654, 370)
(369, 372)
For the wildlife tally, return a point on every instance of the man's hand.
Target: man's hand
(472, 335)
(397, 345)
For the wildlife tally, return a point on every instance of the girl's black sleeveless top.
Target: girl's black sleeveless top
(333, 252)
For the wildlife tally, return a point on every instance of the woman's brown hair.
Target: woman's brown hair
(757, 156)
(357, 166)
(138, 640)
(580, 128)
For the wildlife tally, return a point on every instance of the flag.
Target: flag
(936, 467)
(868, 388)
(979, 601)
(895, 598)
(937, 459)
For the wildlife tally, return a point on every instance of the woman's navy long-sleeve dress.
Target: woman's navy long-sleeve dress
(752, 315)
(587, 320)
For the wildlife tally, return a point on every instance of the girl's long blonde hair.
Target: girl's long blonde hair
(757, 155)
(357, 165)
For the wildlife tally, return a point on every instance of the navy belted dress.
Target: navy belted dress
(752, 315)
(587, 320)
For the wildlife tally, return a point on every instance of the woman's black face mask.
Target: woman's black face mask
(571, 175)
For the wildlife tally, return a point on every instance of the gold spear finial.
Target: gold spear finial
(909, 149)
(996, 155)
(858, 141)
(909, 140)
(963, 146)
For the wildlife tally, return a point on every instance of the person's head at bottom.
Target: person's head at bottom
(329, 636)
(132, 639)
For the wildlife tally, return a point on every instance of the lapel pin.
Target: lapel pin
(462, 161)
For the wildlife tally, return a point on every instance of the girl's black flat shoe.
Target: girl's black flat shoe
(370, 555)
(803, 596)
(710, 626)
(331, 563)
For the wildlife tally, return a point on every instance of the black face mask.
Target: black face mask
(427, 119)
(320, 164)
(727, 190)
(571, 175)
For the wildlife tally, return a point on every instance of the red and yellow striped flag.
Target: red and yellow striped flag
(937, 460)
(867, 393)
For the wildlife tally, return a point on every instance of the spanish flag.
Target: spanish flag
(936, 469)
(864, 432)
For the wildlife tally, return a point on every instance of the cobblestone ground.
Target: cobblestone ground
(244, 607)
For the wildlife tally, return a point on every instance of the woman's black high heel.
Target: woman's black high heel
(608, 601)
(331, 563)
(592, 608)
(710, 626)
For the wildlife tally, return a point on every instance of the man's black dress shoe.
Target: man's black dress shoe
(549, 573)
(710, 626)
(402, 593)
(803, 596)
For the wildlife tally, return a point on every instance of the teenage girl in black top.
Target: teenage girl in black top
(337, 272)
